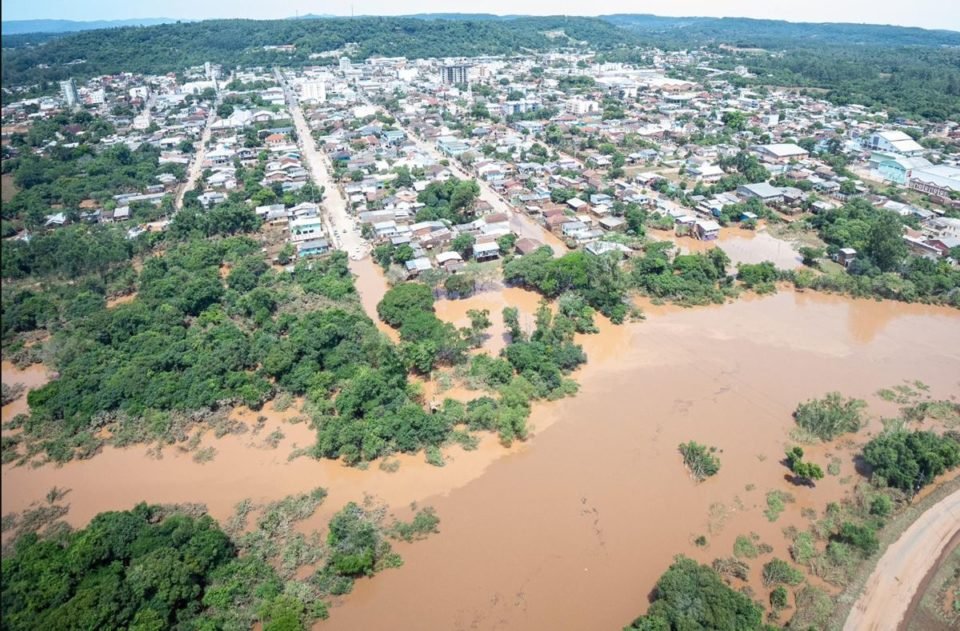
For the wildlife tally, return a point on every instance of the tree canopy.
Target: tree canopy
(132, 569)
(911, 460)
(693, 597)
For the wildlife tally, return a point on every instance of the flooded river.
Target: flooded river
(571, 529)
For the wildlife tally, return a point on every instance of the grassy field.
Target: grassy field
(7, 188)
(939, 607)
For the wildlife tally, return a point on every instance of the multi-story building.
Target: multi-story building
(68, 89)
(315, 90)
(455, 74)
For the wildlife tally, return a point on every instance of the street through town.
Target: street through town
(343, 230)
(523, 225)
(196, 166)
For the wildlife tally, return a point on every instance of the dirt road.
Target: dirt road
(196, 167)
(902, 568)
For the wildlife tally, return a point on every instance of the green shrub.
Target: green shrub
(776, 504)
(831, 416)
(424, 523)
(813, 609)
(861, 537)
(700, 460)
(881, 505)
(777, 571)
(693, 596)
(779, 598)
(744, 548)
(803, 549)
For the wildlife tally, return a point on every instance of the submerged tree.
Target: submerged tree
(700, 460)
(806, 472)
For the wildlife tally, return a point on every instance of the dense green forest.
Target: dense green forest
(919, 82)
(173, 567)
(598, 280)
(693, 596)
(682, 32)
(213, 326)
(911, 71)
(167, 47)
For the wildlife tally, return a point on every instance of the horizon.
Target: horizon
(926, 14)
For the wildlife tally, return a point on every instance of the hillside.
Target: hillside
(172, 46)
(18, 27)
(777, 34)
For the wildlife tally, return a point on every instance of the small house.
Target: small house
(706, 230)
(846, 256)
(312, 247)
(486, 251)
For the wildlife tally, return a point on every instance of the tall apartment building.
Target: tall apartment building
(455, 73)
(314, 90)
(68, 89)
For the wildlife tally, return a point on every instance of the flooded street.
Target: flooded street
(593, 508)
(371, 285)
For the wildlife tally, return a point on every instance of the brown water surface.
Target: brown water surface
(31, 377)
(571, 529)
(455, 312)
(593, 510)
(747, 246)
(371, 286)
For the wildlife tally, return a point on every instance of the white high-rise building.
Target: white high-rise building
(68, 89)
(314, 90)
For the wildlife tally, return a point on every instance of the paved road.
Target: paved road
(903, 566)
(341, 226)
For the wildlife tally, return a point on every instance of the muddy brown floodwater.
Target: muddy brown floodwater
(31, 377)
(371, 286)
(743, 246)
(571, 529)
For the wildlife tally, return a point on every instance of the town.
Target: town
(431, 164)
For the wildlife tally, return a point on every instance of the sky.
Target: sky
(944, 14)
